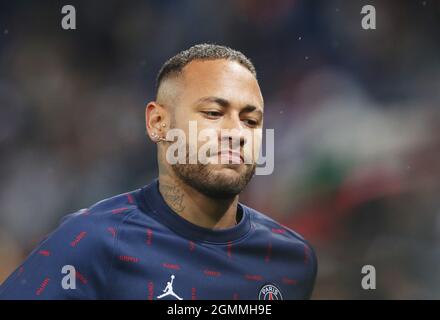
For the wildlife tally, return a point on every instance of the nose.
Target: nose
(234, 132)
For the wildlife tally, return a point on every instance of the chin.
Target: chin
(216, 180)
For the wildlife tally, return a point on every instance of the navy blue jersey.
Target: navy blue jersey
(133, 246)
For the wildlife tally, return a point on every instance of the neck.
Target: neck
(196, 207)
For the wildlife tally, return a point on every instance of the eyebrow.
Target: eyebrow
(225, 103)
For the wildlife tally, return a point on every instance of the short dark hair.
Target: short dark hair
(204, 51)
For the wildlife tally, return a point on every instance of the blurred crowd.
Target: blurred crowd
(355, 114)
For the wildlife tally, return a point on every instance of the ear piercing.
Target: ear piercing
(156, 137)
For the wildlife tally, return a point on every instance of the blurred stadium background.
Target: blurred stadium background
(356, 117)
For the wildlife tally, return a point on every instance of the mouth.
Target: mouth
(231, 156)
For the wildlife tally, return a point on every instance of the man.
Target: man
(184, 235)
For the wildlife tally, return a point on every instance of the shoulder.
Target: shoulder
(84, 240)
(282, 234)
(91, 228)
(293, 245)
(112, 209)
(112, 206)
(267, 224)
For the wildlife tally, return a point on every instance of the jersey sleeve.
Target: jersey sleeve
(71, 263)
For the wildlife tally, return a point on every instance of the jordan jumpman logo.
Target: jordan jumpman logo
(169, 290)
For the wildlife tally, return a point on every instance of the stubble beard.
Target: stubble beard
(211, 182)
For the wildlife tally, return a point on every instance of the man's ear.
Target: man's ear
(156, 120)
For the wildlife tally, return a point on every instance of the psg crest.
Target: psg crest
(270, 292)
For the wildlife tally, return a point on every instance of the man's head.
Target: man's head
(216, 87)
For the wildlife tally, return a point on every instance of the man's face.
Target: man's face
(219, 95)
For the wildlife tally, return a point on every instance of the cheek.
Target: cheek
(181, 118)
(208, 135)
(256, 144)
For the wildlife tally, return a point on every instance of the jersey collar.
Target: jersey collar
(152, 202)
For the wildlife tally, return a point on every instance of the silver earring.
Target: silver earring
(157, 138)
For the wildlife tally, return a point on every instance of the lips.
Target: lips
(233, 156)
